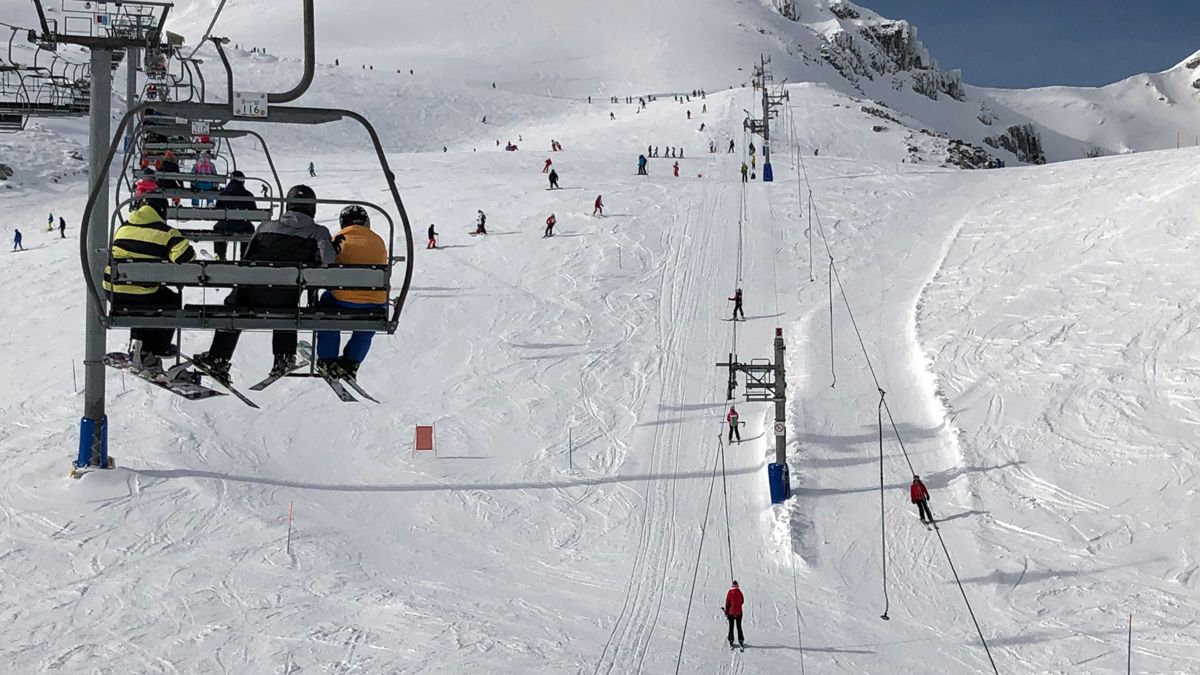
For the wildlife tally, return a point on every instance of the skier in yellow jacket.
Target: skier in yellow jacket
(145, 236)
(356, 245)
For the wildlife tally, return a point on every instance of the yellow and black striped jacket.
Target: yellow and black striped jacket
(145, 236)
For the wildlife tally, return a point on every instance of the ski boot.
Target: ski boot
(178, 374)
(144, 363)
(216, 367)
(284, 364)
(349, 368)
(330, 367)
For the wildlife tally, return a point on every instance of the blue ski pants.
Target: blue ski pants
(330, 341)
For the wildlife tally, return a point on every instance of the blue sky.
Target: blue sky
(1030, 43)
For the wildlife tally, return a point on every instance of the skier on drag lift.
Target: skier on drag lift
(550, 222)
(62, 227)
(920, 496)
(733, 614)
(144, 236)
(737, 305)
(598, 209)
(294, 238)
(480, 223)
(731, 418)
(356, 244)
(553, 179)
(432, 237)
(745, 173)
(17, 241)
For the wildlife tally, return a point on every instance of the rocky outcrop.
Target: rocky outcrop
(788, 9)
(844, 10)
(6, 172)
(879, 112)
(1022, 141)
(967, 156)
(1193, 64)
(887, 48)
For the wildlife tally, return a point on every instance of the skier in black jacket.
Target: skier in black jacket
(294, 238)
(244, 201)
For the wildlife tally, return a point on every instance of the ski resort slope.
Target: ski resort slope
(1029, 326)
(1150, 111)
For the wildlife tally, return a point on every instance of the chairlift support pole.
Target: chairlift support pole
(131, 59)
(768, 382)
(93, 430)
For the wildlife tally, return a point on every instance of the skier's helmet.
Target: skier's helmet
(354, 215)
(296, 198)
(156, 201)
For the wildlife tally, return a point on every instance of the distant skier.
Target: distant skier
(553, 179)
(480, 223)
(642, 166)
(598, 209)
(731, 418)
(920, 496)
(676, 167)
(546, 165)
(745, 173)
(704, 108)
(312, 170)
(702, 125)
(266, 191)
(203, 167)
(737, 305)
(612, 116)
(17, 241)
(751, 148)
(50, 223)
(356, 244)
(432, 233)
(731, 146)
(62, 227)
(689, 114)
(550, 222)
(733, 614)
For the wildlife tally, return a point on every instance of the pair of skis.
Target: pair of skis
(193, 390)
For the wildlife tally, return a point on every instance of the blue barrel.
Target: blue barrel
(781, 486)
(768, 174)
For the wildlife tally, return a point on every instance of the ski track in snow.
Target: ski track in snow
(1033, 329)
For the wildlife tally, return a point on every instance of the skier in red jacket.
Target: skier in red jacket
(920, 497)
(550, 222)
(676, 169)
(733, 613)
(599, 208)
(546, 166)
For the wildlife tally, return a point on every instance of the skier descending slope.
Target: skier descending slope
(553, 179)
(550, 222)
(733, 614)
(598, 209)
(432, 237)
(480, 223)
(920, 496)
(546, 165)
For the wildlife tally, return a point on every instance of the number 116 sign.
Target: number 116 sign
(249, 104)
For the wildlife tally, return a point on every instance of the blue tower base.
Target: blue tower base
(781, 484)
(768, 174)
(89, 456)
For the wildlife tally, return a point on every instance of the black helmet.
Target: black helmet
(237, 175)
(156, 201)
(296, 197)
(354, 215)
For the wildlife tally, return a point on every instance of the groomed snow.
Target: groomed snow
(1031, 328)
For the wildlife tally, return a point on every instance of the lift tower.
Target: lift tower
(104, 28)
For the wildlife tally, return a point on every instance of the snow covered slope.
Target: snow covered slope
(1152, 111)
(577, 406)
